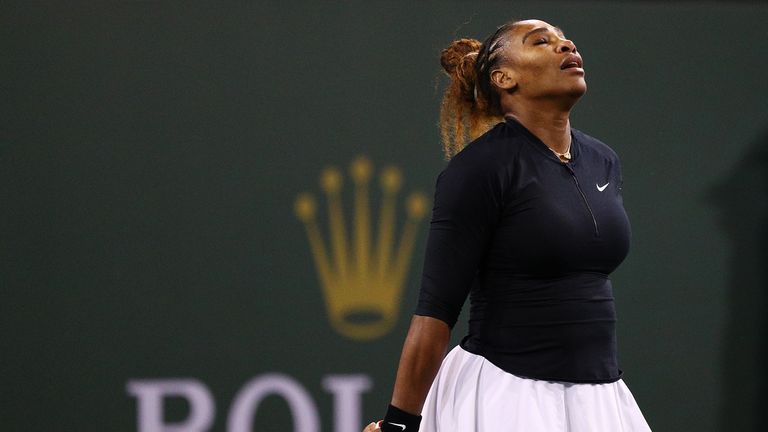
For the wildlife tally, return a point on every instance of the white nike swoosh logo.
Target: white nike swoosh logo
(401, 426)
(602, 188)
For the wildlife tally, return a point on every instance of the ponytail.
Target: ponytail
(470, 107)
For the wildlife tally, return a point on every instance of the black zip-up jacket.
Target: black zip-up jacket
(532, 241)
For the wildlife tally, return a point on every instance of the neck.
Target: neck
(550, 124)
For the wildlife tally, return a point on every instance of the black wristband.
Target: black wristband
(398, 420)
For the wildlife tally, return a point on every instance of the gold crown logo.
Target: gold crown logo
(362, 282)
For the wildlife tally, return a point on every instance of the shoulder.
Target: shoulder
(484, 165)
(490, 151)
(594, 147)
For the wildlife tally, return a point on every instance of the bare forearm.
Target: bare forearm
(423, 351)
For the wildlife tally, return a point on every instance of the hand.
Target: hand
(373, 427)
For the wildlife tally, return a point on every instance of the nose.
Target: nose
(566, 45)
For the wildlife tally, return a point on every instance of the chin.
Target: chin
(579, 89)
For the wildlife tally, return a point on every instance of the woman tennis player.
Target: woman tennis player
(528, 222)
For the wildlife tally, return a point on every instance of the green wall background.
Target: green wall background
(150, 154)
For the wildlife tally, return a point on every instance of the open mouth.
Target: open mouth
(571, 62)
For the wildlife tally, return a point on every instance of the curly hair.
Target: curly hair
(470, 105)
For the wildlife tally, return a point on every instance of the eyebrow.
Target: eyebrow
(542, 29)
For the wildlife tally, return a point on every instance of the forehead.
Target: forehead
(525, 26)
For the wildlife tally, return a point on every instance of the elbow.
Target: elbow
(426, 330)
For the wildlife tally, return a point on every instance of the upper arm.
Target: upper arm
(466, 209)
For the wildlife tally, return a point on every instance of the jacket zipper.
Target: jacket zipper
(583, 197)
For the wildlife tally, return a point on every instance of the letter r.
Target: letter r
(150, 395)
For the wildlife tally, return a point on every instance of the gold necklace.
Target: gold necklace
(566, 155)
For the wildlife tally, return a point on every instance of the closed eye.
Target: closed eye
(540, 41)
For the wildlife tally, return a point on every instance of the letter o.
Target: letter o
(247, 400)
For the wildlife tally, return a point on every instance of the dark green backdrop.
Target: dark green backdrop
(151, 152)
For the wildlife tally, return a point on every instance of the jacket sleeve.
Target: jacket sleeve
(466, 209)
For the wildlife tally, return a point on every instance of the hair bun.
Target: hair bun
(453, 56)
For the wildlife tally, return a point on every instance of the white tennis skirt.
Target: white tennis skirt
(471, 394)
